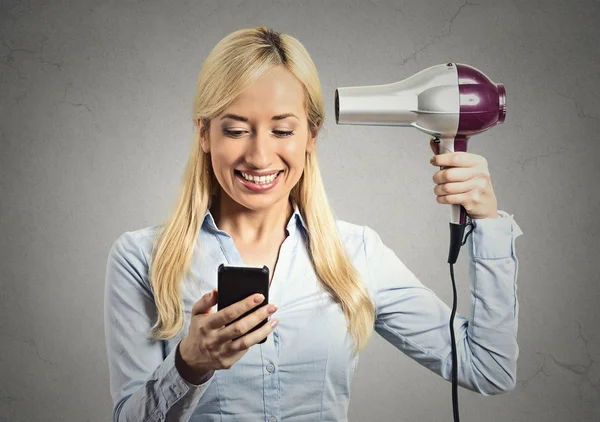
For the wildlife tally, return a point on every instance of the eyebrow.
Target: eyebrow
(245, 119)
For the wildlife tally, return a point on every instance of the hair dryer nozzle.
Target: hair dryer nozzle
(376, 105)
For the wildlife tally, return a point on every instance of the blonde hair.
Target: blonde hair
(235, 62)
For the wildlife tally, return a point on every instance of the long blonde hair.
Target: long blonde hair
(235, 62)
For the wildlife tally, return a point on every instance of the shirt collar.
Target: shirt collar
(209, 222)
(296, 219)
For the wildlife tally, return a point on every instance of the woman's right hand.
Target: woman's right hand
(208, 346)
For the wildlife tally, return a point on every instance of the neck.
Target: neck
(251, 226)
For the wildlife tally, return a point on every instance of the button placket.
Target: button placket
(269, 354)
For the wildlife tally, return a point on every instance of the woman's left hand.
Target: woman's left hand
(467, 183)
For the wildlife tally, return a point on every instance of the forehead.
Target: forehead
(277, 91)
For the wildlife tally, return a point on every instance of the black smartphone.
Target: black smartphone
(236, 283)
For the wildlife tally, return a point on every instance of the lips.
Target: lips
(258, 187)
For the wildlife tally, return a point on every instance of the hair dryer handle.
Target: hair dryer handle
(458, 214)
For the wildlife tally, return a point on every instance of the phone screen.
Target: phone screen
(236, 283)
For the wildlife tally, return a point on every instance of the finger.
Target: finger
(455, 174)
(245, 324)
(205, 303)
(232, 312)
(214, 300)
(458, 198)
(469, 200)
(251, 339)
(456, 159)
(457, 187)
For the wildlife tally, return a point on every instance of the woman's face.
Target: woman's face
(258, 144)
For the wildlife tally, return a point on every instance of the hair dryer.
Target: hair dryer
(450, 102)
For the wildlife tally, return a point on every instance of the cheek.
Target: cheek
(222, 158)
(221, 168)
(295, 152)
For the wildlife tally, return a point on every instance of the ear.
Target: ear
(311, 144)
(204, 141)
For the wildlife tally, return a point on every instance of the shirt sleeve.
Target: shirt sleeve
(144, 384)
(412, 318)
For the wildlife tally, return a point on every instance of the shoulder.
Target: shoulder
(127, 267)
(135, 246)
(141, 238)
(349, 231)
(362, 242)
(353, 235)
(367, 252)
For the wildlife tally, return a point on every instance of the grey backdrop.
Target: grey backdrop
(95, 101)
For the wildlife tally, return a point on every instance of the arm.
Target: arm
(413, 319)
(144, 384)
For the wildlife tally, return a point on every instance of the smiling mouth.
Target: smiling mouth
(258, 180)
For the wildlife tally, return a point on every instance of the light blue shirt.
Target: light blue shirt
(304, 369)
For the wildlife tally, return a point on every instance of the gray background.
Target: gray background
(95, 101)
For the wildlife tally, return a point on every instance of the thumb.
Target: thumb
(434, 147)
(205, 303)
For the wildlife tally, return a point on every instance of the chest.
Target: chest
(312, 336)
(261, 255)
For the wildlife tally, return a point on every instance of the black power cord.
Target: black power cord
(456, 241)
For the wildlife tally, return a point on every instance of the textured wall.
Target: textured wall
(95, 103)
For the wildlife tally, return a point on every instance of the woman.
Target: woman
(253, 195)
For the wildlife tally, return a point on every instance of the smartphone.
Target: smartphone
(236, 283)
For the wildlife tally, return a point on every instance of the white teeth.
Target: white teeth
(259, 179)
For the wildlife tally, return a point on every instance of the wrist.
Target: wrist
(187, 372)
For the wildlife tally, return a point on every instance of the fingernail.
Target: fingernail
(259, 298)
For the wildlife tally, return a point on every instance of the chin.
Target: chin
(261, 201)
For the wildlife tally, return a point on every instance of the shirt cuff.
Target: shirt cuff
(175, 388)
(494, 238)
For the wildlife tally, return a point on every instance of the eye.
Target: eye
(238, 133)
(283, 133)
(233, 133)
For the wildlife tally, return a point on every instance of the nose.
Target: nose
(260, 149)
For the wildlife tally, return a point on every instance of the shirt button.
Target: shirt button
(272, 419)
(176, 389)
(160, 416)
(270, 368)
